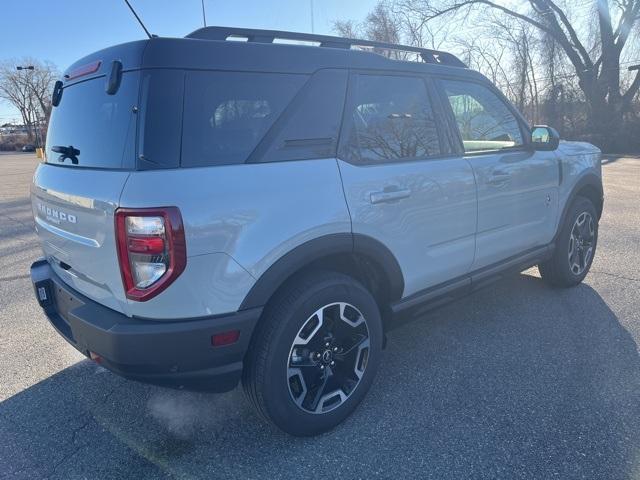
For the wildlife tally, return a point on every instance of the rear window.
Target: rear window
(101, 127)
(226, 114)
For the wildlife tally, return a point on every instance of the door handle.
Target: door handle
(390, 195)
(499, 178)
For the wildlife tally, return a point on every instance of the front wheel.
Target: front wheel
(575, 246)
(314, 354)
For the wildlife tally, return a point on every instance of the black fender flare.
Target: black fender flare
(316, 249)
(589, 180)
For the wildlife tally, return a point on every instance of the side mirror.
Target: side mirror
(544, 138)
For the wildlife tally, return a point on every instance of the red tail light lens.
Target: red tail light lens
(152, 245)
(152, 251)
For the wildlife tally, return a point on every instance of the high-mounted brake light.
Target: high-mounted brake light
(152, 251)
(83, 70)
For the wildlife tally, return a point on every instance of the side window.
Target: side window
(226, 114)
(391, 119)
(484, 121)
(309, 126)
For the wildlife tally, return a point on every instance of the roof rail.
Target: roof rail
(269, 36)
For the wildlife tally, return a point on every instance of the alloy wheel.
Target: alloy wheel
(581, 243)
(328, 358)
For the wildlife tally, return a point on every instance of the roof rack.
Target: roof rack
(269, 36)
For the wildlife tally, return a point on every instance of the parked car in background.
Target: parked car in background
(28, 148)
(215, 211)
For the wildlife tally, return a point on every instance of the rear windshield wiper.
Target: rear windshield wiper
(67, 152)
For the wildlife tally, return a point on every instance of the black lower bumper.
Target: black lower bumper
(170, 353)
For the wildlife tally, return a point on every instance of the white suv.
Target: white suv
(215, 210)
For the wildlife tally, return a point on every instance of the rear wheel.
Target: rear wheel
(315, 353)
(575, 246)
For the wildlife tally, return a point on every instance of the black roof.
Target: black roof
(211, 48)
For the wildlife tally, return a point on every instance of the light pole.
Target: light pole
(35, 112)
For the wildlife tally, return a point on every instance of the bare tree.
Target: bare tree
(347, 28)
(520, 40)
(487, 57)
(597, 67)
(28, 90)
(382, 24)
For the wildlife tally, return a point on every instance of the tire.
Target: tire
(283, 374)
(573, 254)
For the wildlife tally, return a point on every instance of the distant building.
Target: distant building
(13, 129)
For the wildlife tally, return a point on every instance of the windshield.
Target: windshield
(93, 128)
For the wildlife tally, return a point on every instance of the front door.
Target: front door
(403, 186)
(517, 186)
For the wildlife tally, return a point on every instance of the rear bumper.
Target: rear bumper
(170, 353)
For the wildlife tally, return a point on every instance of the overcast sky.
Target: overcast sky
(65, 30)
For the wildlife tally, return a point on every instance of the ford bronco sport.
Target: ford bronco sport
(214, 210)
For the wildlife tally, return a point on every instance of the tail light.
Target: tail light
(152, 251)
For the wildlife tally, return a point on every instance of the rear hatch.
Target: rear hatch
(90, 153)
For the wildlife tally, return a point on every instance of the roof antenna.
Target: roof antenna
(138, 18)
(204, 15)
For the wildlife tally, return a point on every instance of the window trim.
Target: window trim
(447, 149)
(523, 126)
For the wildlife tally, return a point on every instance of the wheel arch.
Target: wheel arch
(588, 186)
(360, 256)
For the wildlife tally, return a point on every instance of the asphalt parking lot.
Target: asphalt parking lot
(516, 381)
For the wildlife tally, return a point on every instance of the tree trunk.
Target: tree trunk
(604, 115)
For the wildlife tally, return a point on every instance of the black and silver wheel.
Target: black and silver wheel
(328, 357)
(581, 243)
(575, 246)
(315, 353)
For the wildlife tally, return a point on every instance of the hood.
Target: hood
(567, 148)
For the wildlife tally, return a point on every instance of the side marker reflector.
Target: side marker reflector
(225, 338)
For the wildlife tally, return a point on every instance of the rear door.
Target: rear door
(517, 186)
(74, 215)
(90, 153)
(403, 186)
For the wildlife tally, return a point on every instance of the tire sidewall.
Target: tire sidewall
(278, 402)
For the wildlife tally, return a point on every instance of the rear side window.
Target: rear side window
(226, 114)
(160, 119)
(310, 126)
(484, 120)
(391, 119)
(99, 126)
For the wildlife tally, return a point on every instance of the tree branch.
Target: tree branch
(572, 33)
(629, 16)
(556, 32)
(632, 90)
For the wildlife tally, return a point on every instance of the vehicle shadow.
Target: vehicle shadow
(517, 381)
